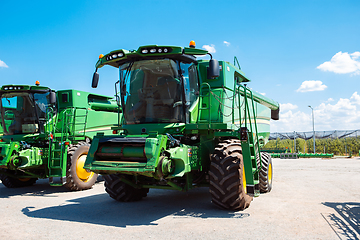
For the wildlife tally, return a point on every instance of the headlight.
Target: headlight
(156, 50)
(115, 55)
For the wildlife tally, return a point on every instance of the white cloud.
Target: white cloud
(355, 98)
(2, 64)
(227, 43)
(342, 63)
(210, 48)
(287, 106)
(311, 85)
(342, 115)
(290, 121)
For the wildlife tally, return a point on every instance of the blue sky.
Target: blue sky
(298, 53)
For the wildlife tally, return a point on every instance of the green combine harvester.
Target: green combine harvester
(47, 134)
(186, 123)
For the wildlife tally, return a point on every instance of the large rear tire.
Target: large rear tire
(266, 173)
(121, 191)
(227, 176)
(11, 182)
(78, 178)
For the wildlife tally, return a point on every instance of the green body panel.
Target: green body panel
(1, 129)
(76, 116)
(146, 155)
(224, 108)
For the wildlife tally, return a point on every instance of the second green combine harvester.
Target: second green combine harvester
(47, 134)
(186, 123)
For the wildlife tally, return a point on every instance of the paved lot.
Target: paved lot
(311, 199)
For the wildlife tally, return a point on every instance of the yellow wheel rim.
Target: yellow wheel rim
(24, 179)
(83, 174)
(244, 180)
(270, 173)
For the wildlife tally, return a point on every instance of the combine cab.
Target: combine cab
(186, 123)
(47, 134)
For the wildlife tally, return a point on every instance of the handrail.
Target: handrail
(257, 150)
(247, 93)
(235, 59)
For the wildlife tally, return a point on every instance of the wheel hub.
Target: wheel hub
(83, 174)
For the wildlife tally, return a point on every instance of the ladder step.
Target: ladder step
(56, 168)
(58, 183)
(57, 161)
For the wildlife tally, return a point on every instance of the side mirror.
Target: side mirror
(52, 98)
(275, 114)
(213, 70)
(95, 80)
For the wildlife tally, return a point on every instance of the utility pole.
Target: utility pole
(313, 125)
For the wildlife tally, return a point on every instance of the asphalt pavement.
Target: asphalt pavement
(310, 199)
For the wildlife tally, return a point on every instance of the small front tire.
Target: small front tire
(78, 178)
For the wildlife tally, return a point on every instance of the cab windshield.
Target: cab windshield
(23, 113)
(157, 91)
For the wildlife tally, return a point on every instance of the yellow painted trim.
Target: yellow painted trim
(258, 121)
(96, 129)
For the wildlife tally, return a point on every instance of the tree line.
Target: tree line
(337, 146)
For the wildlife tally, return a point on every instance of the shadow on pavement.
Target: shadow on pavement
(346, 223)
(40, 188)
(103, 210)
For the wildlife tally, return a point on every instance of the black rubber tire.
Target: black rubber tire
(264, 176)
(73, 181)
(11, 182)
(121, 191)
(226, 176)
